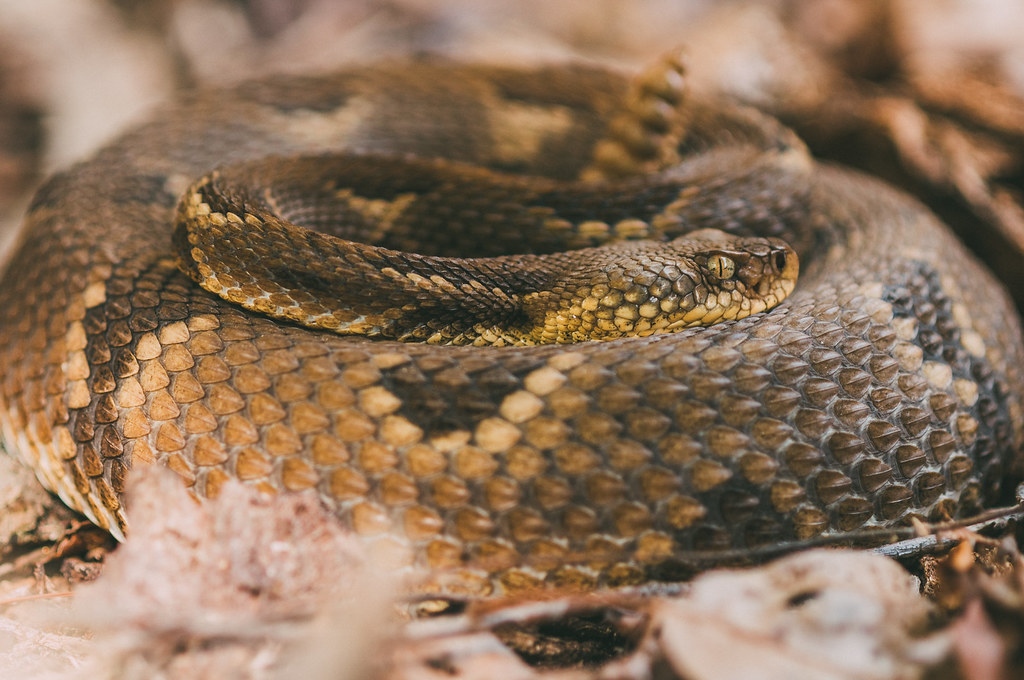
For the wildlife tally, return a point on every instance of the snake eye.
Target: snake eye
(721, 267)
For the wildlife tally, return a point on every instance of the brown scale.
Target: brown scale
(887, 386)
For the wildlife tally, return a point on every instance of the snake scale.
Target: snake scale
(887, 386)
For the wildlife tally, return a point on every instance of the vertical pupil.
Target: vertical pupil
(721, 267)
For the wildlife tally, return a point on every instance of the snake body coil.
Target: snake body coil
(887, 386)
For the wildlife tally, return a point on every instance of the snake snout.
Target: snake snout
(784, 261)
(770, 269)
(779, 260)
(780, 270)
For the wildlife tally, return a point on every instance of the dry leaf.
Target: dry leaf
(820, 614)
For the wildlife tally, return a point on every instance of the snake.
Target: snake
(244, 287)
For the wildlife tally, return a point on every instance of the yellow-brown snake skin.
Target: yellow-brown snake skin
(886, 387)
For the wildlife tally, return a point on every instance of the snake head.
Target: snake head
(638, 288)
(733, 277)
(758, 264)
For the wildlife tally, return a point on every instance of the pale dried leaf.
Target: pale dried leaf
(821, 614)
(979, 649)
(237, 581)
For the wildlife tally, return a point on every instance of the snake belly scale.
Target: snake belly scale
(886, 386)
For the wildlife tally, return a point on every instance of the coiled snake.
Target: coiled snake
(887, 386)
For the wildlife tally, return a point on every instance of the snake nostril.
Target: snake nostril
(780, 261)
